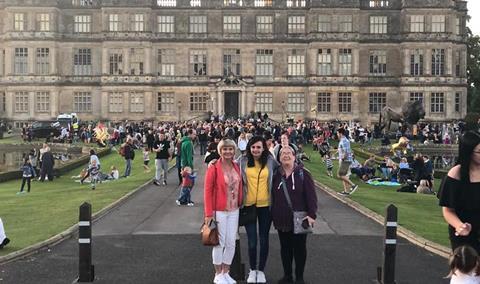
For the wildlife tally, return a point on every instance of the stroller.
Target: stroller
(405, 175)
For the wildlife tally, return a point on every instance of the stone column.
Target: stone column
(356, 62)
(148, 60)
(9, 53)
(406, 61)
(149, 104)
(105, 59)
(54, 103)
(334, 61)
(126, 61)
(31, 60)
(428, 62)
(53, 67)
(449, 61)
(243, 103)
(31, 104)
(220, 102)
(9, 102)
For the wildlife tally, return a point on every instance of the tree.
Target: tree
(473, 72)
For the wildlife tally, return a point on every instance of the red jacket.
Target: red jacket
(215, 186)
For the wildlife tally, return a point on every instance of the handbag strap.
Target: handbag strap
(287, 196)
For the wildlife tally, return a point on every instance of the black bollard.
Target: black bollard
(86, 272)
(386, 275)
(237, 269)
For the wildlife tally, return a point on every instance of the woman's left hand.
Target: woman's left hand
(311, 221)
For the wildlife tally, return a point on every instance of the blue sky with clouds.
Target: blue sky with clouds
(473, 10)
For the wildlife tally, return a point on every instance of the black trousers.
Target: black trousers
(25, 180)
(293, 246)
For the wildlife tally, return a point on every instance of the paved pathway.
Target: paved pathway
(151, 240)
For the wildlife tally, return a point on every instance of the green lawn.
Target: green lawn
(416, 212)
(52, 207)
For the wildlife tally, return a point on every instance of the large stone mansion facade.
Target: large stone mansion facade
(179, 59)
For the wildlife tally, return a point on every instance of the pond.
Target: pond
(11, 157)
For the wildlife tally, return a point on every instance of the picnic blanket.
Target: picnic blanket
(377, 182)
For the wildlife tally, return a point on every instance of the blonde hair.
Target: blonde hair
(226, 143)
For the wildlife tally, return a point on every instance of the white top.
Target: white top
(460, 278)
(242, 144)
(115, 174)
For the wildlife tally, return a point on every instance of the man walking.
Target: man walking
(161, 146)
(186, 150)
(344, 161)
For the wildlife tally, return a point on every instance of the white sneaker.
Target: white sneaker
(220, 279)
(261, 277)
(229, 279)
(178, 202)
(252, 276)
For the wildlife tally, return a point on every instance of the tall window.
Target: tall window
(198, 102)
(458, 26)
(165, 102)
(82, 24)
(167, 3)
(116, 62)
(345, 62)
(378, 24)
(296, 62)
(198, 24)
(417, 23)
(232, 24)
(296, 102)
(42, 101)
(378, 62)
(42, 66)
(438, 23)
(296, 24)
(137, 22)
(296, 3)
(263, 3)
(114, 24)
(43, 22)
(82, 61)
(137, 57)
(115, 102)
(166, 24)
(345, 102)
(264, 63)
(264, 24)
(19, 22)
(345, 23)
(457, 101)
(137, 103)
(324, 102)
(324, 23)
(231, 62)
(166, 62)
(416, 96)
(457, 63)
(376, 102)
(232, 3)
(263, 102)
(324, 62)
(21, 61)
(437, 103)
(21, 102)
(82, 102)
(416, 62)
(378, 3)
(438, 62)
(198, 62)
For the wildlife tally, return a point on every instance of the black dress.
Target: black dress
(465, 199)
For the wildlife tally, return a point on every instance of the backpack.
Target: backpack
(122, 150)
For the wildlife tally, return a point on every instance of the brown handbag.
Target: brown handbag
(209, 232)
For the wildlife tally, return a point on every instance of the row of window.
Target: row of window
(198, 3)
(199, 102)
(264, 62)
(232, 23)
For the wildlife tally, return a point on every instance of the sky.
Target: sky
(473, 10)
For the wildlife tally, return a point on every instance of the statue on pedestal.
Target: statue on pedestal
(411, 113)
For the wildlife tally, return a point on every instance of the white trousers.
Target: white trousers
(227, 234)
(2, 232)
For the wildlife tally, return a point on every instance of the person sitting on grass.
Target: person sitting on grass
(3, 237)
(27, 174)
(93, 157)
(114, 174)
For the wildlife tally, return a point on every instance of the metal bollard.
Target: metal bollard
(386, 275)
(86, 271)
(237, 269)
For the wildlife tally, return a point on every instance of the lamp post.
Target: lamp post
(179, 105)
(283, 111)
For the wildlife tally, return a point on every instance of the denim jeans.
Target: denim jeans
(185, 196)
(264, 221)
(128, 167)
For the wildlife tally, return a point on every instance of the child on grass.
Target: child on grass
(146, 160)
(188, 180)
(27, 174)
(94, 174)
(328, 164)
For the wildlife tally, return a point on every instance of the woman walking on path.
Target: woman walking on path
(257, 169)
(223, 197)
(301, 190)
(460, 195)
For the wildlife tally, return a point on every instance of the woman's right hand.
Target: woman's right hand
(463, 230)
(208, 219)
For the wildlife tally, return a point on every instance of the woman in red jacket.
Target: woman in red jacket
(223, 197)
